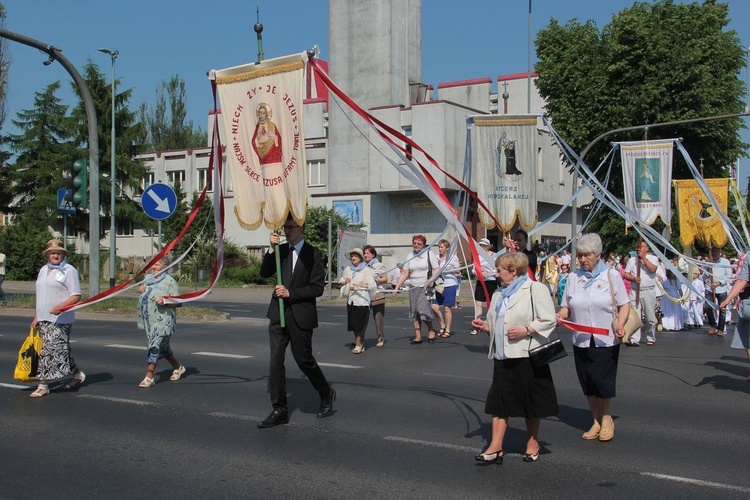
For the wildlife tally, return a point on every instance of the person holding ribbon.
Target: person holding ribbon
(158, 319)
(521, 317)
(57, 286)
(377, 300)
(588, 302)
(357, 280)
(446, 299)
(419, 266)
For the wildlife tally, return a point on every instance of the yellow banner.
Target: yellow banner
(698, 218)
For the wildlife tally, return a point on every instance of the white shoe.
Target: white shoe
(147, 382)
(178, 373)
(358, 349)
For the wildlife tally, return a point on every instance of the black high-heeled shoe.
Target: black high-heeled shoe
(528, 457)
(490, 458)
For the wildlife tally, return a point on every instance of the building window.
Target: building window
(563, 169)
(205, 180)
(7, 220)
(146, 182)
(124, 227)
(315, 172)
(539, 164)
(175, 176)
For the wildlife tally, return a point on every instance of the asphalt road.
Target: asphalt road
(408, 419)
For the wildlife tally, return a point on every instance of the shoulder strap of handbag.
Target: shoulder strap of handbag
(612, 294)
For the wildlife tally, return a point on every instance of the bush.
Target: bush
(249, 275)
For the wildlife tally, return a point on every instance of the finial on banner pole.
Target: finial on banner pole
(259, 31)
(313, 53)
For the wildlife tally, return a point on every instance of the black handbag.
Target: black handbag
(546, 353)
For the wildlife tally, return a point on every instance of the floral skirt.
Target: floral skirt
(55, 361)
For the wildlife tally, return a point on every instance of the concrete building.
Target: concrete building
(375, 57)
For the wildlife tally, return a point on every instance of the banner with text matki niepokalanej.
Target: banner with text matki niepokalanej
(504, 169)
(261, 110)
(698, 217)
(647, 178)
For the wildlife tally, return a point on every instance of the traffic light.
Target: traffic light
(80, 183)
(68, 180)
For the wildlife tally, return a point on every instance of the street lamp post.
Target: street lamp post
(112, 230)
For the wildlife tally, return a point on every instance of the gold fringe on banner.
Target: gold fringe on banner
(258, 73)
(494, 122)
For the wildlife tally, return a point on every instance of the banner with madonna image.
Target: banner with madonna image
(698, 217)
(261, 113)
(504, 169)
(647, 177)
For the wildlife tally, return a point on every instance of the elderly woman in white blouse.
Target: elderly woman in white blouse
(588, 301)
(357, 281)
(521, 316)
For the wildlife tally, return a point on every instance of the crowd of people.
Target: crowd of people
(519, 295)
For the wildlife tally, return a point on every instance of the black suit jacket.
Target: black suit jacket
(304, 285)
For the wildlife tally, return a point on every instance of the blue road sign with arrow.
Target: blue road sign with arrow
(65, 202)
(159, 201)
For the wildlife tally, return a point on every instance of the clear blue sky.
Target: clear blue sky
(160, 38)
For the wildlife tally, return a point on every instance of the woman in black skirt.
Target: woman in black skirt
(357, 280)
(590, 298)
(521, 316)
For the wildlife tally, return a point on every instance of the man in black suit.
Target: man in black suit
(303, 280)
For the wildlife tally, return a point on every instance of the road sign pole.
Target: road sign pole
(159, 240)
(65, 232)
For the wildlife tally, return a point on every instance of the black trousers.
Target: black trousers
(711, 313)
(301, 341)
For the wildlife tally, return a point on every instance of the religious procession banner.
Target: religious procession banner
(261, 113)
(647, 176)
(698, 217)
(504, 169)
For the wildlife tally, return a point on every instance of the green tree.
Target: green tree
(129, 173)
(652, 63)
(316, 229)
(166, 126)
(41, 149)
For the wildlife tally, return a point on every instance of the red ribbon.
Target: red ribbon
(577, 327)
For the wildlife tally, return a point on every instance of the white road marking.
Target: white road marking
(435, 444)
(336, 365)
(697, 482)
(221, 355)
(447, 375)
(124, 346)
(232, 415)
(119, 400)
(15, 386)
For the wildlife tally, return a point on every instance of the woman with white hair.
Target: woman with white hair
(588, 300)
(159, 319)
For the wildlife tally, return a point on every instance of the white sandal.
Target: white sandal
(75, 381)
(147, 382)
(178, 373)
(40, 391)
(358, 349)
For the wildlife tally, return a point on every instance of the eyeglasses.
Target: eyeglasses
(289, 228)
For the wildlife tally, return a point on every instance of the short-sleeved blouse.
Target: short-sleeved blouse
(448, 274)
(418, 267)
(54, 286)
(592, 306)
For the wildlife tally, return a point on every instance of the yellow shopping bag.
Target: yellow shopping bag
(28, 357)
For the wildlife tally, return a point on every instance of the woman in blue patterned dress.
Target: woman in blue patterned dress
(158, 319)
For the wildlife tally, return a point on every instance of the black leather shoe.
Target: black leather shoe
(277, 417)
(326, 405)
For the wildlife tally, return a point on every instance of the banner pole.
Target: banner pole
(282, 319)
